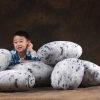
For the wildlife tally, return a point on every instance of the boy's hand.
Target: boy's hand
(30, 47)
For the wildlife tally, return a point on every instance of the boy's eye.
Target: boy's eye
(15, 42)
(21, 41)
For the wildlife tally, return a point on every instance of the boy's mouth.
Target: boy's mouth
(19, 48)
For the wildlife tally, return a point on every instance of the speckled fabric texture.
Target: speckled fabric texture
(41, 71)
(59, 65)
(5, 58)
(67, 74)
(91, 74)
(53, 52)
(16, 80)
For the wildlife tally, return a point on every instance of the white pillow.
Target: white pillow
(5, 58)
(16, 80)
(91, 74)
(67, 74)
(41, 71)
(53, 52)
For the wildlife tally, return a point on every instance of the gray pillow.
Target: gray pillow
(53, 52)
(5, 58)
(16, 80)
(67, 74)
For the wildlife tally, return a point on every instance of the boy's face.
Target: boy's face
(20, 43)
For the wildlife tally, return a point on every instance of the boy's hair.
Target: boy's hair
(22, 33)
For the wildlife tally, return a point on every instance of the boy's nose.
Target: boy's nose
(18, 44)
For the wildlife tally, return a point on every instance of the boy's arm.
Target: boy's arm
(33, 52)
(34, 56)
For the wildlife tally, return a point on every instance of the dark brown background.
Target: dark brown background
(51, 20)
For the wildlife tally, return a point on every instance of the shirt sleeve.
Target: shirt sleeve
(14, 58)
(12, 61)
(34, 56)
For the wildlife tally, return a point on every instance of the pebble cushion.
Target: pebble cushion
(67, 74)
(53, 52)
(5, 58)
(16, 80)
(91, 74)
(41, 71)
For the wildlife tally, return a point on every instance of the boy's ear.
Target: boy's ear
(29, 41)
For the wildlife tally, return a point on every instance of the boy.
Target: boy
(23, 49)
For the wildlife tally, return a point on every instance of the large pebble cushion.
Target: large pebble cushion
(16, 80)
(55, 51)
(91, 74)
(41, 71)
(67, 74)
(5, 58)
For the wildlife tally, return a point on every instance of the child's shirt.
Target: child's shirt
(28, 56)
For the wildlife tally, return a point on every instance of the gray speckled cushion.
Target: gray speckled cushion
(16, 80)
(41, 71)
(67, 74)
(5, 58)
(91, 74)
(53, 52)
